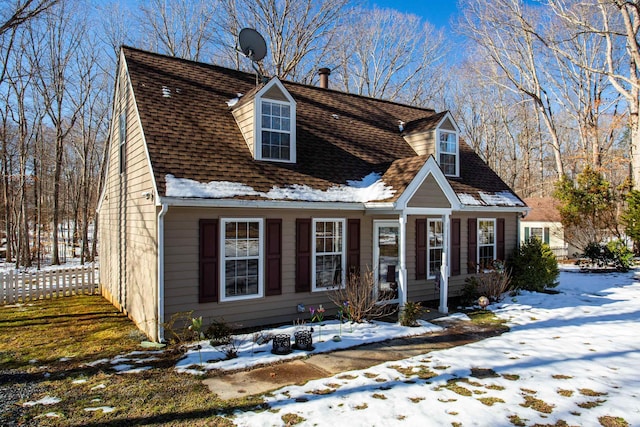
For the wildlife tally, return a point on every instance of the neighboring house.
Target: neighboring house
(544, 222)
(240, 200)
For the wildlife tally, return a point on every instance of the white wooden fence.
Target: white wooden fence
(33, 285)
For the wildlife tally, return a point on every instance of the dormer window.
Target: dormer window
(276, 131)
(448, 152)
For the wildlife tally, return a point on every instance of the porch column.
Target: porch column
(402, 276)
(444, 266)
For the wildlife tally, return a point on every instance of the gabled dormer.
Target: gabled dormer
(438, 136)
(267, 119)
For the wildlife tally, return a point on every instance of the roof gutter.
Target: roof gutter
(268, 204)
(161, 214)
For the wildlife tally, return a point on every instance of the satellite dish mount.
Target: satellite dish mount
(252, 45)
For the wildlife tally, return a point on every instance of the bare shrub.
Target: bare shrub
(177, 327)
(359, 300)
(491, 282)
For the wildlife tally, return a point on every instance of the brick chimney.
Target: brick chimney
(324, 77)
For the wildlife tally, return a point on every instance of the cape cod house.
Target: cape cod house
(240, 199)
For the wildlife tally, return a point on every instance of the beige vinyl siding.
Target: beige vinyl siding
(129, 271)
(274, 92)
(429, 195)
(447, 125)
(422, 143)
(181, 267)
(425, 290)
(245, 116)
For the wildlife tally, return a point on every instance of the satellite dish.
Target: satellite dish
(252, 44)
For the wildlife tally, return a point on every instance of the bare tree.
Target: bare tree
(54, 60)
(89, 139)
(506, 32)
(181, 28)
(388, 54)
(618, 22)
(14, 13)
(299, 33)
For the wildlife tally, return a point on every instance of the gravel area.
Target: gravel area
(16, 386)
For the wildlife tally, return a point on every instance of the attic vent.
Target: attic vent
(400, 125)
(166, 92)
(335, 116)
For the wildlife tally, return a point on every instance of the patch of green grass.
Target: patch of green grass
(517, 421)
(323, 391)
(82, 328)
(482, 373)
(453, 385)
(559, 423)
(347, 377)
(591, 393)
(490, 401)
(486, 318)
(608, 421)
(511, 377)
(89, 328)
(292, 419)
(561, 377)
(495, 387)
(537, 404)
(591, 404)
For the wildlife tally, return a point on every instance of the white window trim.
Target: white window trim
(457, 152)
(258, 130)
(223, 259)
(495, 231)
(343, 221)
(430, 274)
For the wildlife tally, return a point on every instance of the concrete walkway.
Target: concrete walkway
(299, 371)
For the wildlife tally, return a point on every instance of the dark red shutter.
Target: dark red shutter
(472, 245)
(500, 239)
(208, 260)
(421, 248)
(353, 246)
(455, 246)
(273, 285)
(303, 255)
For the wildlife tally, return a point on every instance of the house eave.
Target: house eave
(481, 208)
(258, 204)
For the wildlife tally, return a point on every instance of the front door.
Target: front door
(386, 253)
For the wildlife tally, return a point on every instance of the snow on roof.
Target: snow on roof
(502, 198)
(234, 101)
(369, 188)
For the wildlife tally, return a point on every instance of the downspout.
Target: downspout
(161, 215)
(444, 267)
(403, 260)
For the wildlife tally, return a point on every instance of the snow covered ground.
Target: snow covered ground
(571, 357)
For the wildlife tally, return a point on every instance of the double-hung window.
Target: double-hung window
(435, 244)
(276, 130)
(242, 250)
(448, 149)
(328, 253)
(486, 242)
